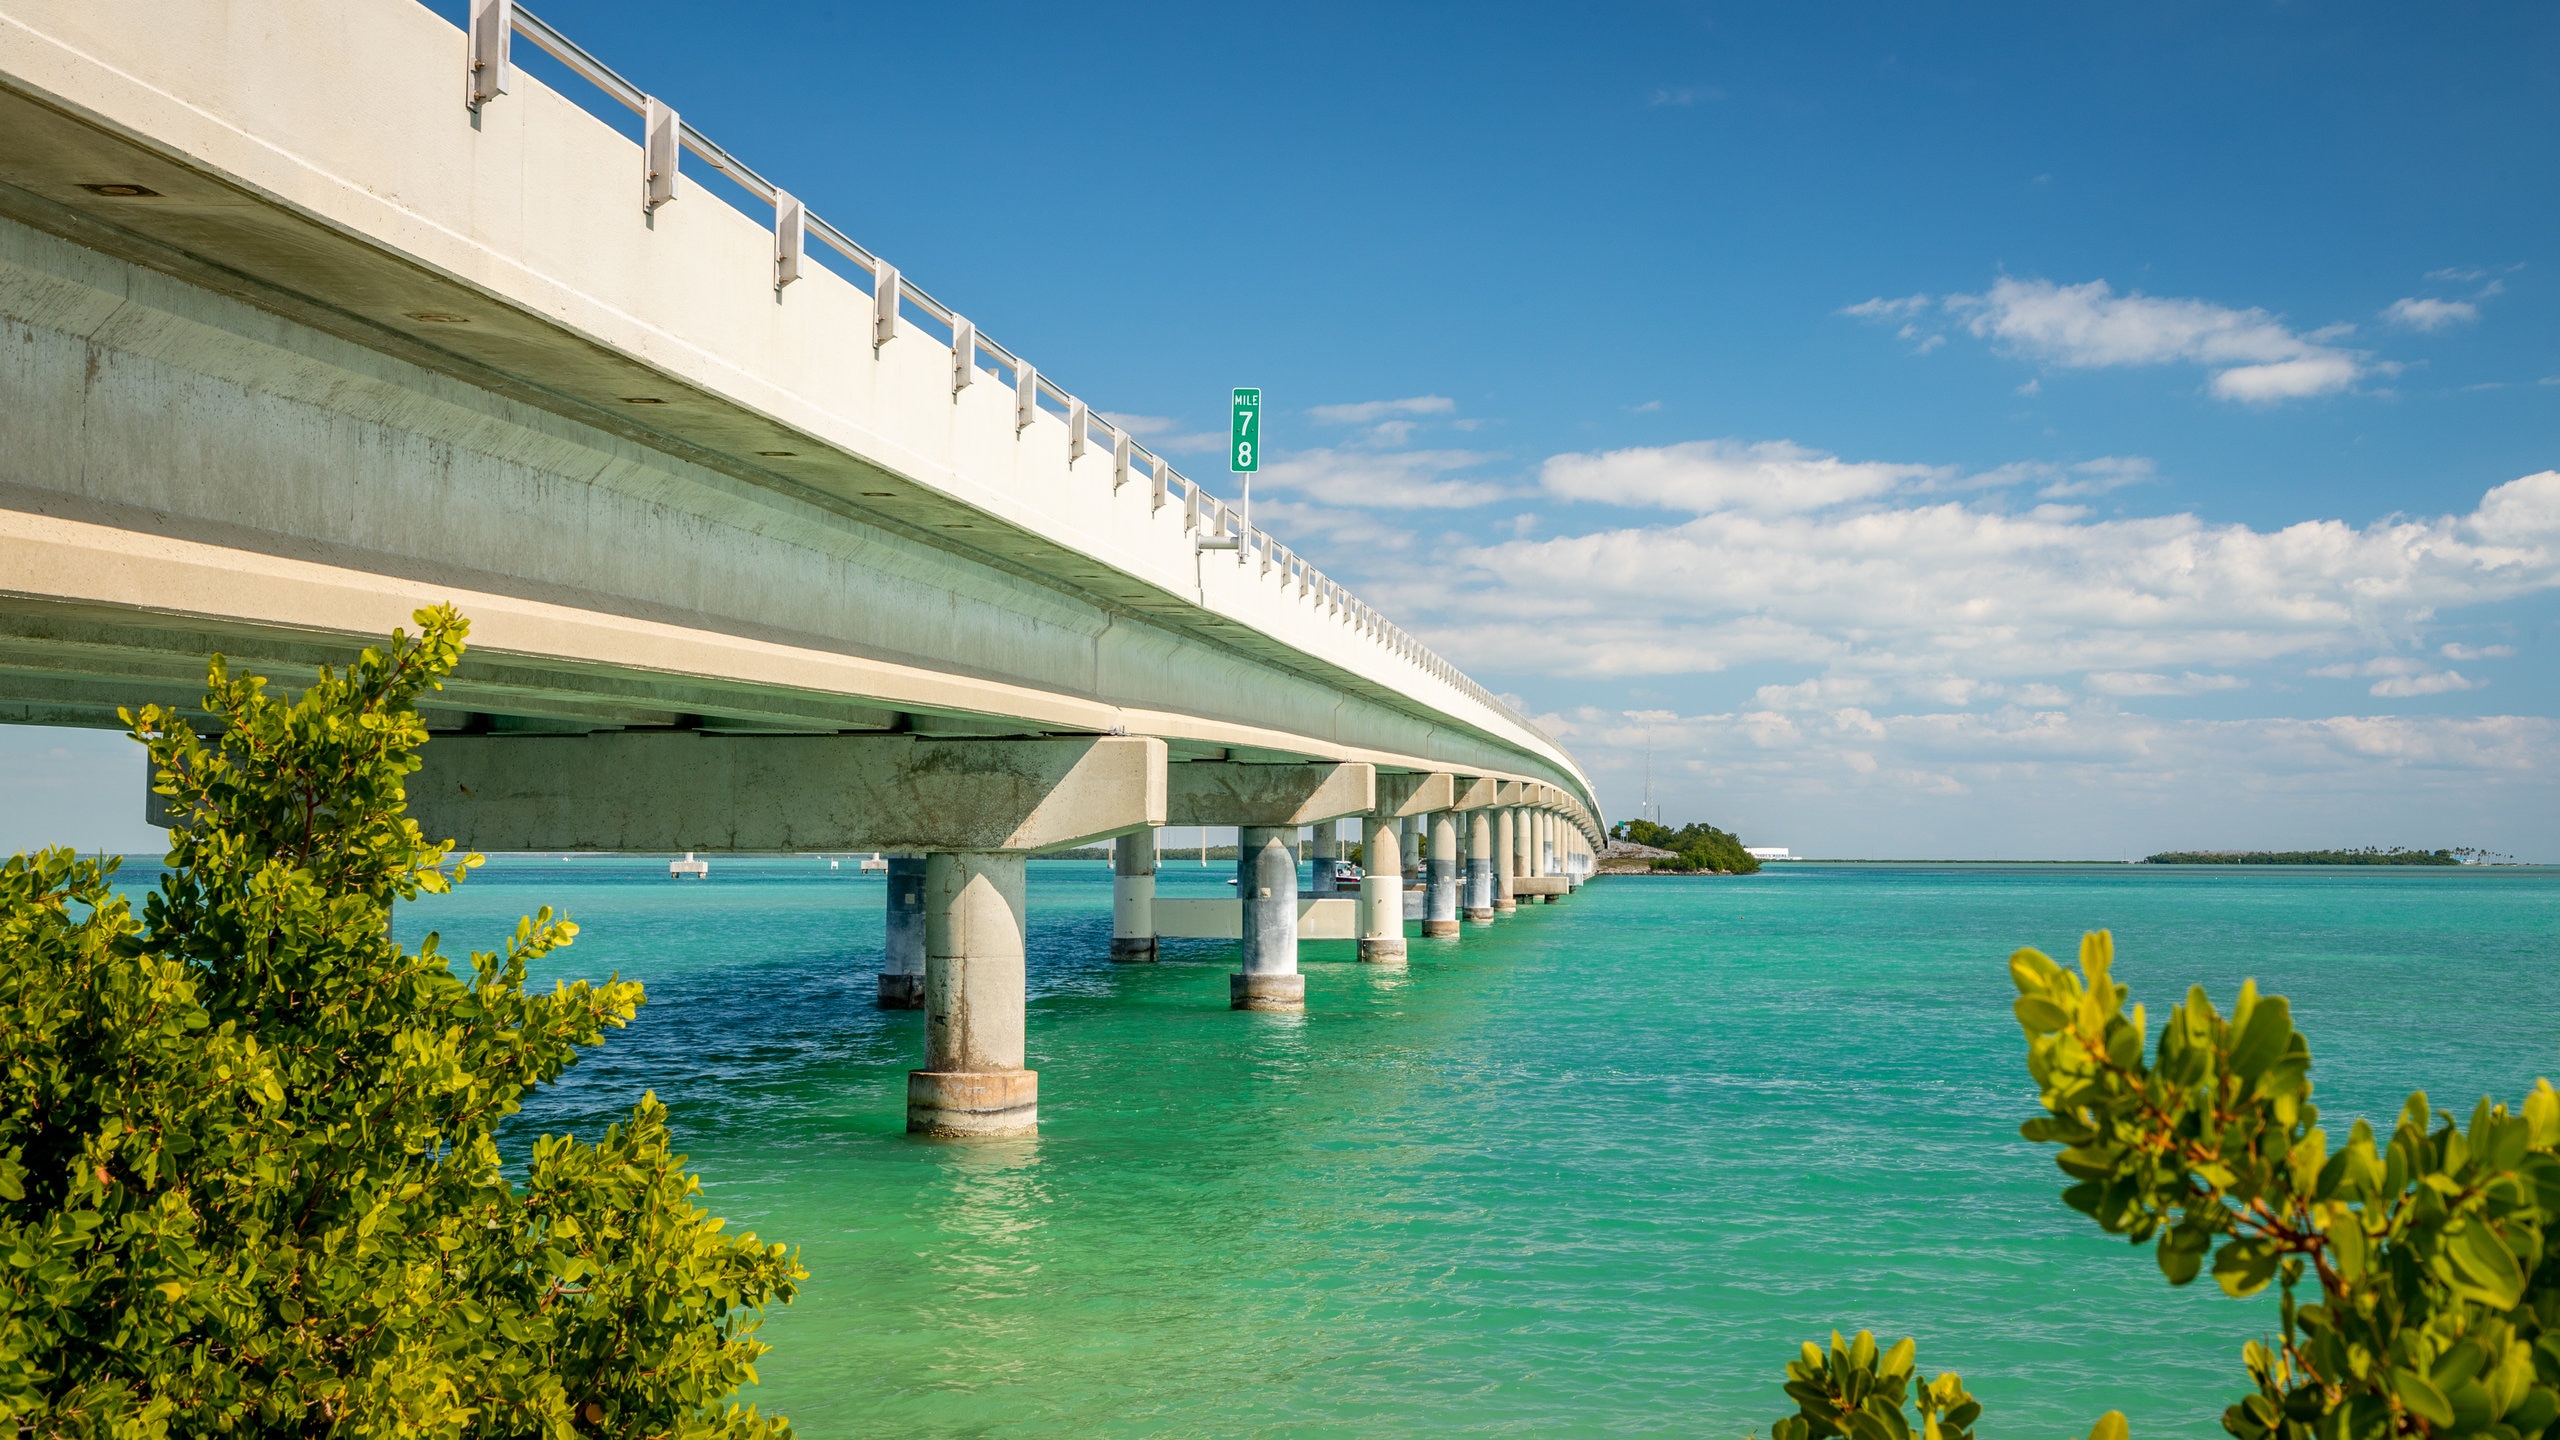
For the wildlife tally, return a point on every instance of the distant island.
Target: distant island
(2370, 855)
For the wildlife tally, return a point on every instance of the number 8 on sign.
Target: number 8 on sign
(1244, 453)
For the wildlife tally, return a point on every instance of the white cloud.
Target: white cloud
(2416, 313)
(2097, 477)
(2440, 683)
(1933, 597)
(2254, 356)
(2144, 682)
(2459, 651)
(1881, 308)
(1370, 412)
(1384, 480)
(1771, 477)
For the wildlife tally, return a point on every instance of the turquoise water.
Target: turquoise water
(1595, 1171)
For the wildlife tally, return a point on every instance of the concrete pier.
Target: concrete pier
(1381, 891)
(902, 941)
(1479, 867)
(1267, 883)
(1440, 921)
(1322, 853)
(1505, 848)
(1133, 898)
(973, 1083)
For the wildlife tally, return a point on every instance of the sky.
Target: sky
(2051, 431)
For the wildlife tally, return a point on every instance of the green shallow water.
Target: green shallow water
(1594, 1171)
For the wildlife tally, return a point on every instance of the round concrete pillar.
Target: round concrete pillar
(902, 943)
(1267, 888)
(1381, 892)
(1322, 854)
(1479, 867)
(1440, 919)
(1133, 898)
(1505, 851)
(973, 1082)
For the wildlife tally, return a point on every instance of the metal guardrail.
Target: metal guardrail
(664, 132)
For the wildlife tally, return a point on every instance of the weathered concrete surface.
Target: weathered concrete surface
(1505, 861)
(1441, 877)
(682, 791)
(1211, 792)
(1381, 891)
(973, 1083)
(1267, 889)
(360, 353)
(1133, 898)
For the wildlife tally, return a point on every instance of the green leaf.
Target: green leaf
(2421, 1398)
(2270, 1027)
(2243, 1267)
(2482, 1260)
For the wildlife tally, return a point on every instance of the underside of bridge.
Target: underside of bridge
(293, 344)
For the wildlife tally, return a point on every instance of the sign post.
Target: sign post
(1244, 456)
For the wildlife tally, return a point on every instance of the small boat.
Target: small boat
(1346, 873)
(874, 865)
(688, 868)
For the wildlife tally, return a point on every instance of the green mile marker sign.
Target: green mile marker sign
(1244, 438)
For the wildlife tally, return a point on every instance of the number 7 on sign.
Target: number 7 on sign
(1244, 452)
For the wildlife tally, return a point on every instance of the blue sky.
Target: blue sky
(2006, 430)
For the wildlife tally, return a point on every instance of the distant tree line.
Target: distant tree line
(1695, 848)
(2370, 855)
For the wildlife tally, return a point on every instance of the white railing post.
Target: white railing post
(964, 357)
(1026, 396)
(660, 143)
(493, 24)
(790, 238)
(1078, 426)
(1162, 471)
(884, 304)
(1119, 459)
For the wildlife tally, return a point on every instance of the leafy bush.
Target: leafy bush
(2437, 1304)
(249, 1179)
(1697, 846)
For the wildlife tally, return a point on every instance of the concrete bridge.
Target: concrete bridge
(318, 311)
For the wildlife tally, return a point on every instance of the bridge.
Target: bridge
(316, 312)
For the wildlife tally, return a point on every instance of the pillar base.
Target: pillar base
(1547, 899)
(1480, 914)
(1267, 992)
(1383, 952)
(1439, 929)
(901, 992)
(1133, 949)
(981, 1104)
(1505, 907)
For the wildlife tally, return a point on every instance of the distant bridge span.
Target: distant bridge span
(318, 311)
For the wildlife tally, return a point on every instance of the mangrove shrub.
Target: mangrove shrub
(2417, 1292)
(249, 1176)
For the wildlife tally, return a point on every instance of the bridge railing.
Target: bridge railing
(494, 23)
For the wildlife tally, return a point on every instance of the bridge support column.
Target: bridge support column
(1267, 886)
(1479, 867)
(1381, 891)
(1440, 920)
(1322, 854)
(1505, 846)
(1133, 898)
(973, 1083)
(902, 941)
(1546, 852)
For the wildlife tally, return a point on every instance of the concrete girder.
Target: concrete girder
(1413, 793)
(1215, 792)
(1475, 792)
(685, 791)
